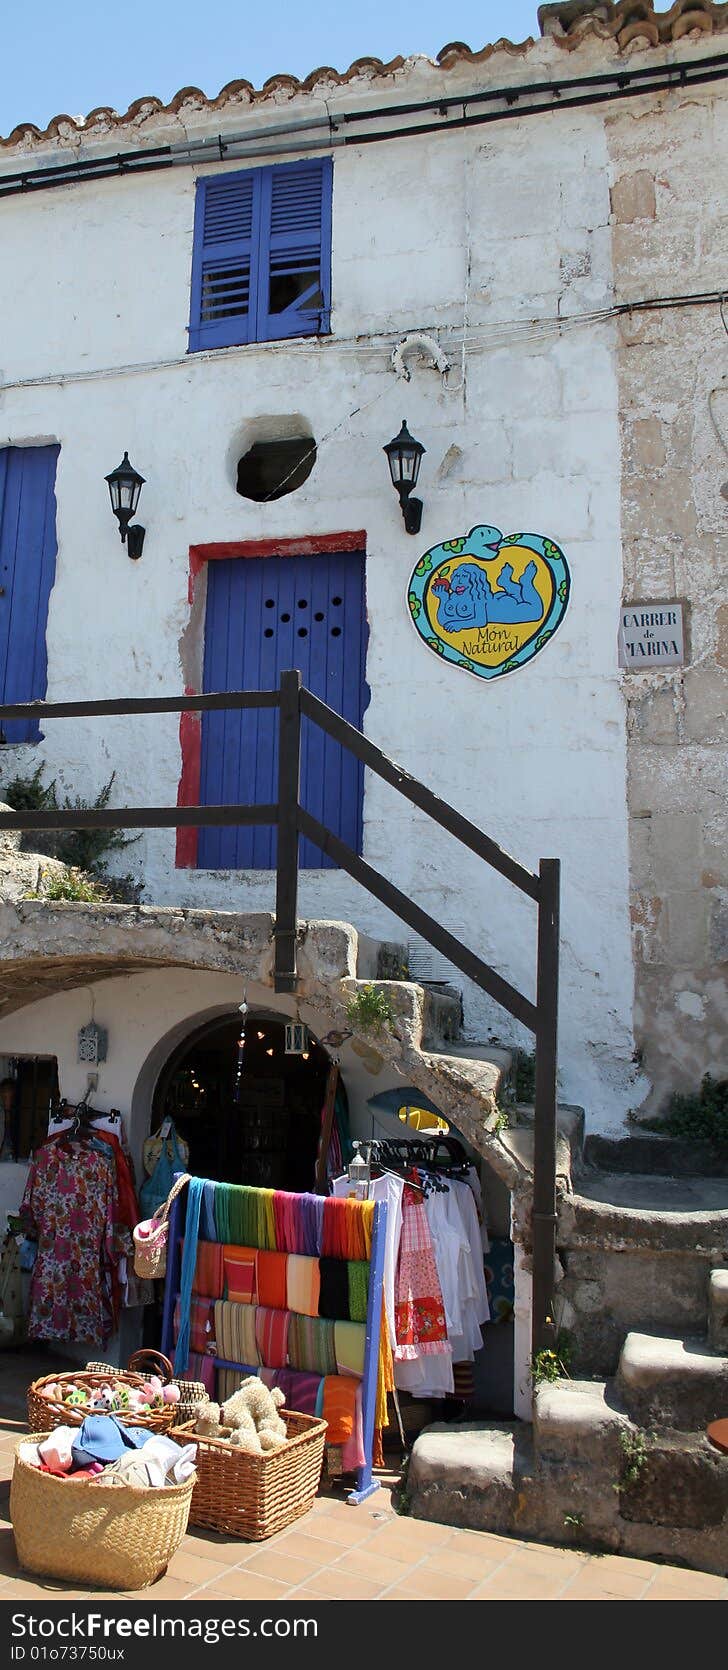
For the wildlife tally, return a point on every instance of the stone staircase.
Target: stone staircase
(617, 1459)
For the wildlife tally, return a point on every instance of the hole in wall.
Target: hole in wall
(271, 469)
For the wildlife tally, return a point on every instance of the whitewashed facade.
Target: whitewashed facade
(469, 236)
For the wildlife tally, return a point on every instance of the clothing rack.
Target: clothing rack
(443, 1154)
(366, 1484)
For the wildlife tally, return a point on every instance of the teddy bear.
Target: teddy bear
(249, 1420)
(254, 1404)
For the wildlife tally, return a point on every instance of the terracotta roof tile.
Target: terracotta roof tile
(568, 25)
(625, 21)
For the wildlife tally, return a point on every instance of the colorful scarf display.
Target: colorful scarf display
(235, 1333)
(203, 1369)
(339, 1408)
(272, 1279)
(282, 1280)
(271, 1333)
(269, 1219)
(357, 1271)
(311, 1345)
(201, 1323)
(300, 1390)
(303, 1285)
(349, 1343)
(334, 1294)
(209, 1276)
(344, 1229)
(240, 1270)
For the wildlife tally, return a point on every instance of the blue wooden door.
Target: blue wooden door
(27, 571)
(266, 615)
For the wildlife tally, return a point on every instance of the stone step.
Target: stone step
(579, 1420)
(718, 1310)
(678, 1383)
(649, 1153)
(468, 1475)
(662, 1496)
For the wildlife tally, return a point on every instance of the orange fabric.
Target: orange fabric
(240, 1267)
(339, 1407)
(272, 1280)
(347, 1227)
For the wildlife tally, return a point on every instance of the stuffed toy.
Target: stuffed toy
(254, 1404)
(249, 1420)
(208, 1420)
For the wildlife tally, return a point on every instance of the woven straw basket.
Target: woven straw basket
(253, 1496)
(191, 1392)
(150, 1238)
(45, 1413)
(115, 1536)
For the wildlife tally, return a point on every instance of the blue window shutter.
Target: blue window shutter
(261, 261)
(225, 260)
(294, 279)
(27, 572)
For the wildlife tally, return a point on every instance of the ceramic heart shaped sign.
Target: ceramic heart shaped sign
(489, 603)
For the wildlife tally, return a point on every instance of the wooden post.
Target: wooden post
(327, 1125)
(289, 774)
(544, 1152)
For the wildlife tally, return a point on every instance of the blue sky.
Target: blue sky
(70, 57)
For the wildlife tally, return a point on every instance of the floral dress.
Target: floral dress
(69, 1205)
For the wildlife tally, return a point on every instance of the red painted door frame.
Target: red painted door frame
(190, 729)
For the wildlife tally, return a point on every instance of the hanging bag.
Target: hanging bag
(150, 1237)
(170, 1161)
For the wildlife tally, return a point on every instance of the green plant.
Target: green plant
(701, 1116)
(634, 1458)
(369, 1009)
(80, 849)
(30, 794)
(574, 1521)
(552, 1363)
(502, 1120)
(73, 886)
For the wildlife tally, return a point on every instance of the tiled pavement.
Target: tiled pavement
(338, 1552)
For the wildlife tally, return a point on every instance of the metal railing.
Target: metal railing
(292, 821)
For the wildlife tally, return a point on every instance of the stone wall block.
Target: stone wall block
(633, 197)
(721, 652)
(676, 847)
(719, 926)
(652, 716)
(687, 928)
(706, 704)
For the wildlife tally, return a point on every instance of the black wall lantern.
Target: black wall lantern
(125, 485)
(404, 455)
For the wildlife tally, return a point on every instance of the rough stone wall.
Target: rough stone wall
(670, 236)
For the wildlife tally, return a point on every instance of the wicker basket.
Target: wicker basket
(45, 1413)
(116, 1536)
(191, 1392)
(253, 1496)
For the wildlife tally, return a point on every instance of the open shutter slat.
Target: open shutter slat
(295, 298)
(224, 261)
(262, 255)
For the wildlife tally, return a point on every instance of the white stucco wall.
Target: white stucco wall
(146, 1016)
(435, 234)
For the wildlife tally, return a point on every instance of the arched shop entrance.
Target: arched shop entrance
(250, 1112)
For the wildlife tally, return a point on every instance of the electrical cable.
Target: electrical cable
(567, 94)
